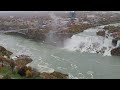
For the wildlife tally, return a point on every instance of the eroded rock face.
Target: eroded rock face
(22, 60)
(115, 52)
(37, 34)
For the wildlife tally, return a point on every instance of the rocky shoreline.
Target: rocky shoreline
(17, 68)
(113, 31)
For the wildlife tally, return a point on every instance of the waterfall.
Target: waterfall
(85, 43)
(88, 41)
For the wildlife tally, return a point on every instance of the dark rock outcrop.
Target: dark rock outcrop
(54, 75)
(22, 60)
(5, 52)
(114, 31)
(37, 34)
(116, 35)
(114, 42)
(115, 52)
(22, 71)
(101, 33)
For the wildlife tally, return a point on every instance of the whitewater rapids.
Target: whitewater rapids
(88, 41)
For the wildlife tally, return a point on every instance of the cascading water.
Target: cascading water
(88, 41)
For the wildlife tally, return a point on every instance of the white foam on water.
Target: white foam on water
(81, 76)
(118, 43)
(44, 68)
(88, 41)
(85, 43)
(71, 76)
(41, 67)
(91, 74)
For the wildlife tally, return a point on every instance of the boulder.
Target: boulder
(101, 33)
(5, 52)
(54, 75)
(35, 73)
(22, 71)
(116, 35)
(115, 51)
(22, 60)
(114, 42)
(59, 75)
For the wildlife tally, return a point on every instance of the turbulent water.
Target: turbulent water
(78, 63)
(88, 41)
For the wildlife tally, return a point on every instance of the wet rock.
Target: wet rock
(35, 73)
(5, 52)
(54, 75)
(36, 34)
(102, 50)
(115, 51)
(114, 31)
(22, 60)
(114, 42)
(101, 33)
(59, 75)
(2, 48)
(16, 34)
(22, 71)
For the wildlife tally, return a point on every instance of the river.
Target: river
(79, 65)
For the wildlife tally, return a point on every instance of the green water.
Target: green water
(76, 64)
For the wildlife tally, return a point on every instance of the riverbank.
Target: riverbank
(17, 68)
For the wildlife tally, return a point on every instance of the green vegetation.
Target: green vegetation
(7, 70)
(17, 69)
